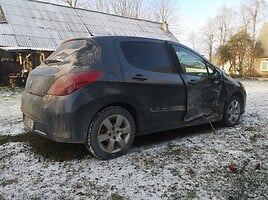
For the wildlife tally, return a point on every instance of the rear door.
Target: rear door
(203, 83)
(153, 82)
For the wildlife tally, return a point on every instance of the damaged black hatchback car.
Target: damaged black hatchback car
(103, 91)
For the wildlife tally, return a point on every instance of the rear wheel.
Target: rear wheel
(111, 133)
(232, 111)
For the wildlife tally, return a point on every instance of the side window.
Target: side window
(147, 56)
(191, 64)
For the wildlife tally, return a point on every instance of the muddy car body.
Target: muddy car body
(103, 91)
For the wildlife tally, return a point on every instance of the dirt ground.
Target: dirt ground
(188, 163)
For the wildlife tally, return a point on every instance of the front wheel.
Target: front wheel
(111, 133)
(232, 111)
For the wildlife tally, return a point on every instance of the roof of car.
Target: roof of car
(124, 37)
(128, 37)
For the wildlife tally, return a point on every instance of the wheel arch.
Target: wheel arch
(129, 108)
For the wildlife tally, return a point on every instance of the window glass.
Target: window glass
(147, 56)
(210, 69)
(190, 63)
(80, 51)
(264, 66)
(66, 49)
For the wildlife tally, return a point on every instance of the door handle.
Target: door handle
(192, 82)
(139, 77)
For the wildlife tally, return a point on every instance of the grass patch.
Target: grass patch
(191, 195)
(248, 185)
(256, 137)
(14, 138)
(48, 149)
(8, 182)
(179, 153)
(116, 196)
(4, 89)
(173, 150)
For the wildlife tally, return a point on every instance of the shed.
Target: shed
(30, 30)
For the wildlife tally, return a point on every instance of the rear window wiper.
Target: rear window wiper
(52, 61)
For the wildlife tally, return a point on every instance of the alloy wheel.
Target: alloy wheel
(114, 133)
(234, 111)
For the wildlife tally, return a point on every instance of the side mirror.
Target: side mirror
(215, 76)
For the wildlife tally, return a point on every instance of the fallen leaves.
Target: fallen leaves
(233, 167)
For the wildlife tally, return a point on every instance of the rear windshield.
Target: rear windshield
(80, 52)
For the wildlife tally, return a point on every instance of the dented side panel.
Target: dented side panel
(205, 98)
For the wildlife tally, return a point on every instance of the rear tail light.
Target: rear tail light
(69, 83)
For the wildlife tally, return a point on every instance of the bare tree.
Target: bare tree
(209, 37)
(102, 6)
(164, 10)
(98, 5)
(255, 9)
(223, 21)
(72, 3)
(245, 17)
(127, 8)
(192, 39)
(251, 13)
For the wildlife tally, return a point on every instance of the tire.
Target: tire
(111, 133)
(232, 111)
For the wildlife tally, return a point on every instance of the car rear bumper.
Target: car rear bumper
(51, 129)
(61, 119)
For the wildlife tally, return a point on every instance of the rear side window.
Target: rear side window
(147, 56)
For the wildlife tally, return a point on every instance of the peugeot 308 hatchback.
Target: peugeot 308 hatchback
(103, 91)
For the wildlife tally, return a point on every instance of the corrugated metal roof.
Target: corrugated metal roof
(39, 25)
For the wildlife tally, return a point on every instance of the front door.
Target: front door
(203, 83)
